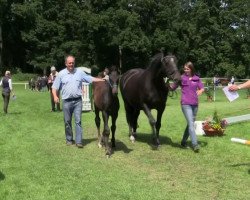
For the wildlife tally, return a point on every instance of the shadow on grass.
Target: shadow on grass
(164, 140)
(148, 138)
(12, 113)
(120, 146)
(88, 141)
(2, 177)
(241, 164)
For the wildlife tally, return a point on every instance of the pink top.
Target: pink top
(189, 86)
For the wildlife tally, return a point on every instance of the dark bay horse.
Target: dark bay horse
(106, 100)
(145, 89)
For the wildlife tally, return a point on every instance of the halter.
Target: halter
(112, 86)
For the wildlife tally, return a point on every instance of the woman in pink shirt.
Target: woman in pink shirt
(191, 88)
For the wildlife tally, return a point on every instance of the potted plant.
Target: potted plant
(214, 125)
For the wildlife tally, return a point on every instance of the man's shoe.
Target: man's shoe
(184, 145)
(79, 145)
(69, 143)
(196, 149)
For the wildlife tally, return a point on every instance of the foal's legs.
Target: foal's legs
(106, 133)
(113, 128)
(98, 123)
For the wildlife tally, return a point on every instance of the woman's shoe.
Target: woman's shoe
(196, 149)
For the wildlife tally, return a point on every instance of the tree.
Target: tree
(213, 34)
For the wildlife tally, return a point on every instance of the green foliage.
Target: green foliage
(214, 35)
(22, 77)
(209, 88)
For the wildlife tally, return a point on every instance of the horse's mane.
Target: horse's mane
(156, 60)
(113, 68)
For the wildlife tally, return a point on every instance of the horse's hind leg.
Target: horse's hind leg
(106, 133)
(129, 116)
(134, 122)
(98, 123)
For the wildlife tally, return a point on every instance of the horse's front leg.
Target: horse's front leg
(158, 124)
(106, 133)
(152, 123)
(98, 123)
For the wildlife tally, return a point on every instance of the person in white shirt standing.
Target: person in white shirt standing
(51, 80)
(6, 84)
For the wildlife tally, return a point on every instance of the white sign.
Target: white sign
(231, 95)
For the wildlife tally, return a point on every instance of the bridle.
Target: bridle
(111, 83)
(163, 58)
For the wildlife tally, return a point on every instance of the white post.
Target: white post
(85, 97)
(214, 87)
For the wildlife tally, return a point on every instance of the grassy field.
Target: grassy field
(36, 164)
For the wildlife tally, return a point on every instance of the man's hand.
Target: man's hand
(56, 99)
(106, 78)
(233, 88)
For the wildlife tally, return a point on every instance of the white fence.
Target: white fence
(86, 97)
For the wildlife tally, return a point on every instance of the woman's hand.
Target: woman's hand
(199, 92)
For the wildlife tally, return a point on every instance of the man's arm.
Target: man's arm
(241, 86)
(55, 95)
(97, 79)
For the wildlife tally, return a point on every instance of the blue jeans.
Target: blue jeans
(190, 112)
(71, 107)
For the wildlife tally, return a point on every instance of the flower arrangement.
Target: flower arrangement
(214, 125)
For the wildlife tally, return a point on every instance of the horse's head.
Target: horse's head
(169, 68)
(114, 80)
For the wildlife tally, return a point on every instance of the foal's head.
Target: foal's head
(114, 79)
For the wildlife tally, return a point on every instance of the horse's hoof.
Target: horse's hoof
(99, 145)
(132, 138)
(108, 154)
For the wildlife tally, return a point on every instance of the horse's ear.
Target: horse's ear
(113, 68)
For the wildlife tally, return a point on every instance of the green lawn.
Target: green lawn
(36, 164)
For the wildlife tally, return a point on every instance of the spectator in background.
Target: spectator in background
(232, 80)
(51, 79)
(44, 82)
(6, 84)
